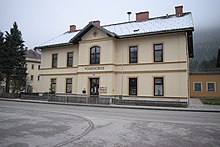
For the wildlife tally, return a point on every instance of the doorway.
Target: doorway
(94, 86)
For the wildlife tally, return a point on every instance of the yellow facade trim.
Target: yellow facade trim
(114, 72)
(124, 64)
(57, 74)
(130, 64)
(95, 40)
(58, 68)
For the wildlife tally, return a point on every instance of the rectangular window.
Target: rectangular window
(70, 59)
(32, 77)
(53, 85)
(210, 86)
(54, 60)
(38, 67)
(38, 78)
(158, 86)
(32, 66)
(132, 86)
(133, 54)
(158, 52)
(197, 86)
(69, 85)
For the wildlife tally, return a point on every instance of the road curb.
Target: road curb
(116, 106)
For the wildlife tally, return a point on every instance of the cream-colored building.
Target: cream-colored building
(33, 61)
(145, 58)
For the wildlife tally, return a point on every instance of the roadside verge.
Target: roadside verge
(190, 108)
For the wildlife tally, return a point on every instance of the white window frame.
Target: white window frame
(210, 83)
(194, 86)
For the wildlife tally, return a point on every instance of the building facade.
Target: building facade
(205, 84)
(33, 62)
(147, 57)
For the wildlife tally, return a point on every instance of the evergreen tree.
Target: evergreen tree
(13, 60)
(2, 39)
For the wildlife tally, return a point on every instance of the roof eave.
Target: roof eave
(54, 45)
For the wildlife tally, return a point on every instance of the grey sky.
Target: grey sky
(41, 20)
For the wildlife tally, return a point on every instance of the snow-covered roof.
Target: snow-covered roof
(128, 29)
(61, 39)
(159, 24)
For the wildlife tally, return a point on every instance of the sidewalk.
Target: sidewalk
(195, 105)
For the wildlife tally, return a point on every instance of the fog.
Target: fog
(42, 20)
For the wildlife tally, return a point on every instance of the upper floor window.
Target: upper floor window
(38, 67)
(54, 60)
(211, 86)
(32, 66)
(133, 54)
(70, 59)
(95, 55)
(158, 52)
(197, 86)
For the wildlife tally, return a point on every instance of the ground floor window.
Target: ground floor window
(158, 86)
(53, 85)
(197, 86)
(132, 86)
(68, 85)
(211, 86)
(32, 77)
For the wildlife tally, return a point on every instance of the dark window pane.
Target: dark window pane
(158, 90)
(97, 50)
(158, 56)
(158, 47)
(211, 86)
(197, 87)
(158, 81)
(93, 50)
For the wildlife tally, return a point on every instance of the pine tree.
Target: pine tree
(2, 45)
(13, 60)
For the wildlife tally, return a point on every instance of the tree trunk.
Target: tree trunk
(7, 87)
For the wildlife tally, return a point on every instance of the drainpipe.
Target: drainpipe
(122, 74)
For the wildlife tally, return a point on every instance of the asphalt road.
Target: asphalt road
(31, 124)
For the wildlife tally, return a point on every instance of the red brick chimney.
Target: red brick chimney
(72, 28)
(142, 16)
(97, 22)
(179, 10)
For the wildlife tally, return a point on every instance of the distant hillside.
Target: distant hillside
(206, 44)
